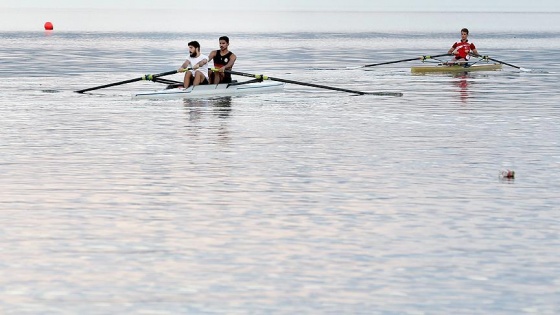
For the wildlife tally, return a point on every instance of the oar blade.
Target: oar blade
(397, 94)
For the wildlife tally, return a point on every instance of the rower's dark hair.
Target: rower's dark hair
(466, 30)
(224, 38)
(195, 44)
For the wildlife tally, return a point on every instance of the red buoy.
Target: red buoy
(48, 26)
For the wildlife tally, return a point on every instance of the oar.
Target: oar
(504, 63)
(402, 60)
(264, 77)
(150, 77)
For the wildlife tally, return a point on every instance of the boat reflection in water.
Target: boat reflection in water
(197, 109)
(461, 81)
(220, 106)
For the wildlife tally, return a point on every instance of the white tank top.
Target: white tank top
(195, 60)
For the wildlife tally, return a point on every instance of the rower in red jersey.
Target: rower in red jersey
(462, 49)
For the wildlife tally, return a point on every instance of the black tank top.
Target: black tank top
(219, 60)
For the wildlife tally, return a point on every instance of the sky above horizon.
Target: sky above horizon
(279, 15)
(312, 5)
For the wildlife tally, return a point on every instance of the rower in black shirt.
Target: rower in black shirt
(223, 60)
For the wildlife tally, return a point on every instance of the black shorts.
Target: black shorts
(204, 82)
(227, 77)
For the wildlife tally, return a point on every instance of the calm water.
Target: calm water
(306, 201)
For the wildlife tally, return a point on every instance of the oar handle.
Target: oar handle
(434, 56)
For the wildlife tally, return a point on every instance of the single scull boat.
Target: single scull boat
(455, 68)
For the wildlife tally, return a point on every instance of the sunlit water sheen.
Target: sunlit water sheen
(306, 201)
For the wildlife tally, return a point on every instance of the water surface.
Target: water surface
(305, 201)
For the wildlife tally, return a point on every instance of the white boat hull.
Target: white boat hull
(212, 90)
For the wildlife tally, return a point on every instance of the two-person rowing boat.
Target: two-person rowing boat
(259, 84)
(202, 81)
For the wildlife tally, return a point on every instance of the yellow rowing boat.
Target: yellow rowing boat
(456, 68)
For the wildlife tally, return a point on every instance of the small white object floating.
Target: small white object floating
(507, 174)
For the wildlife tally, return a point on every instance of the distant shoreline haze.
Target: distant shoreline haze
(169, 20)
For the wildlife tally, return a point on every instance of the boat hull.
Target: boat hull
(456, 69)
(212, 90)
